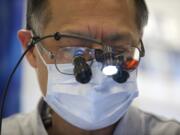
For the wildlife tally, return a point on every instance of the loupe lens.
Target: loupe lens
(82, 70)
(99, 55)
(121, 76)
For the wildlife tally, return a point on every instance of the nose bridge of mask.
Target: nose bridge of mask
(109, 86)
(97, 75)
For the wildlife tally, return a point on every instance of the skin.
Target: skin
(98, 18)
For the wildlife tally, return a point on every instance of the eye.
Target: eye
(118, 51)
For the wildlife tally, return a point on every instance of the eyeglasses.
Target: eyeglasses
(68, 47)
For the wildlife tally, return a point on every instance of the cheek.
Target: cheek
(42, 75)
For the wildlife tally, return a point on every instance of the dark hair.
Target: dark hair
(39, 12)
(141, 14)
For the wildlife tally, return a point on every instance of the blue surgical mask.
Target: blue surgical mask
(95, 105)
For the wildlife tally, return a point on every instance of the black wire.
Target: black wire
(5, 91)
(34, 41)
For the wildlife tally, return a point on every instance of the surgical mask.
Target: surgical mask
(98, 104)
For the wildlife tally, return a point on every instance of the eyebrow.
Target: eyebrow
(114, 37)
(78, 33)
(83, 35)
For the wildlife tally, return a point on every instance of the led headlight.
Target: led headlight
(109, 66)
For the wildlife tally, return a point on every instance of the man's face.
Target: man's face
(99, 18)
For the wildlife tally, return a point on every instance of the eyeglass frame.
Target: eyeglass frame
(57, 36)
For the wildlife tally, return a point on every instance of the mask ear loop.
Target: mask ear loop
(41, 57)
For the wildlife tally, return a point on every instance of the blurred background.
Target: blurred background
(11, 16)
(159, 72)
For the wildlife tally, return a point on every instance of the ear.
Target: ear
(25, 37)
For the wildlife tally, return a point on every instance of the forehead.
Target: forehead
(93, 17)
